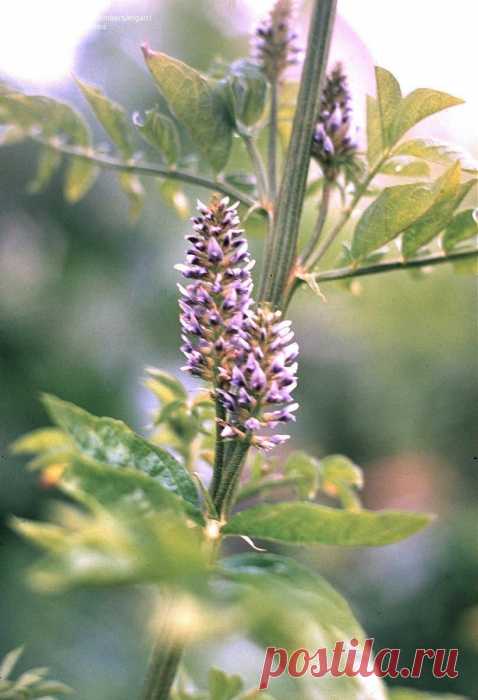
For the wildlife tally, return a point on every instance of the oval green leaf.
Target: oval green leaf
(309, 524)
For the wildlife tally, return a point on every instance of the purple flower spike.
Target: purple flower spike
(215, 304)
(332, 146)
(274, 41)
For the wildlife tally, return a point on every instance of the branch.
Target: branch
(143, 168)
(292, 191)
(349, 272)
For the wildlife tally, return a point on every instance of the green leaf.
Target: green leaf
(48, 163)
(40, 440)
(247, 88)
(339, 478)
(305, 469)
(448, 195)
(29, 685)
(437, 152)
(173, 195)
(418, 105)
(402, 167)
(462, 227)
(197, 103)
(114, 443)
(114, 121)
(272, 573)
(54, 119)
(92, 482)
(9, 662)
(310, 524)
(111, 116)
(394, 210)
(160, 132)
(115, 547)
(223, 686)
(389, 98)
(375, 145)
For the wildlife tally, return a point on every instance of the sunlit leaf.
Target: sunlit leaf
(173, 195)
(160, 132)
(448, 195)
(389, 98)
(48, 163)
(394, 210)
(114, 443)
(114, 547)
(53, 120)
(436, 152)
(403, 167)
(418, 105)
(197, 103)
(302, 523)
(222, 686)
(462, 227)
(113, 119)
(375, 145)
(30, 684)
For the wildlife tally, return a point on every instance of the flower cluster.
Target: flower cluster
(259, 392)
(245, 352)
(215, 303)
(332, 145)
(273, 42)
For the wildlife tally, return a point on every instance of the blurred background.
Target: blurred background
(389, 377)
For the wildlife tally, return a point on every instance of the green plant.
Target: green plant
(142, 513)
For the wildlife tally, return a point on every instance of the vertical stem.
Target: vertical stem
(219, 453)
(272, 145)
(164, 664)
(293, 185)
(230, 475)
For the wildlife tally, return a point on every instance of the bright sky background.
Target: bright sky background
(421, 41)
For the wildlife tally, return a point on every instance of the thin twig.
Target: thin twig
(431, 260)
(258, 166)
(319, 226)
(150, 169)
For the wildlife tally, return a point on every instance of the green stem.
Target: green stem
(163, 666)
(272, 144)
(150, 169)
(230, 476)
(257, 164)
(361, 190)
(219, 451)
(293, 185)
(319, 227)
(431, 260)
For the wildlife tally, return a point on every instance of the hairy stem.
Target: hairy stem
(272, 143)
(219, 452)
(426, 261)
(150, 169)
(231, 474)
(292, 191)
(319, 226)
(164, 663)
